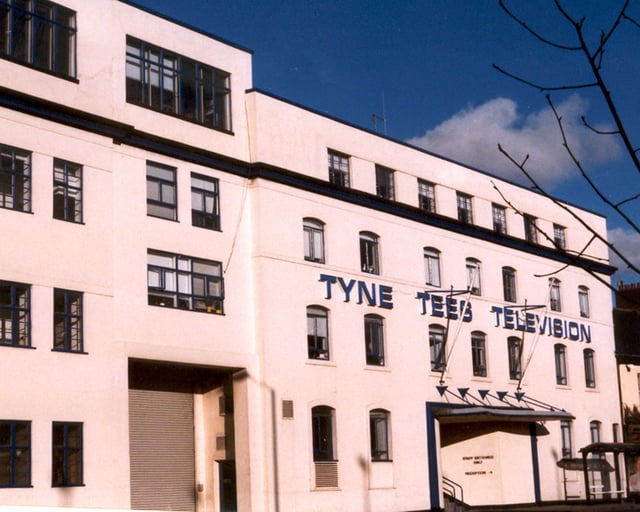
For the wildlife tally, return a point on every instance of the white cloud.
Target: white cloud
(472, 135)
(628, 243)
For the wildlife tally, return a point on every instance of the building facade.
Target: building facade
(213, 299)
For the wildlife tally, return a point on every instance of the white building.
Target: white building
(212, 299)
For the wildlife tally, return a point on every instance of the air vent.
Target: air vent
(287, 409)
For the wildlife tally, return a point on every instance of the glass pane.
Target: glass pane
(161, 260)
(206, 267)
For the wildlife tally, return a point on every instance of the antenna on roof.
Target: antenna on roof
(383, 118)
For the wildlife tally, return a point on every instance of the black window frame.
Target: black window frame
(509, 289)
(374, 340)
(560, 236)
(369, 252)
(67, 191)
(68, 324)
(584, 301)
(474, 279)
(499, 216)
(15, 308)
(560, 360)
(432, 268)
(184, 280)
(530, 228)
(317, 325)
(465, 207)
(379, 421)
(426, 196)
(66, 447)
(313, 230)
(15, 453)
(16, 178)
(437, 355)
(555, 295)
(514, 350)
(565, 436)
(384, 182)
(589, 356)
(208, 215)
(191, 90)
(479, 353)
(339, 168)
(323, 433)
(48, 32)
(160, 204)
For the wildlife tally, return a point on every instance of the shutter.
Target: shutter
(161, 445)
(326, 474)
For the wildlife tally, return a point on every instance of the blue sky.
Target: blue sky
(427, 66)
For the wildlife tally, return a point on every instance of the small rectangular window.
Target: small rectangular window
(426, 196)
(205, 211)
(565, 430)
(436, 348)
(374, 339)
(384, 183)
(67, 191)
(509, 284)
(15, 314)
(555, 304)
(560, 355)
(465, 209)
(583, 299)
(559, 238)
(499, 219)
(317, 333)
(589, 368)
(432, 266)
(338, 169)
(15, 453)
(379, 434)
(369, 261)
(15, 179)
(161, 191)
(67, 321)
(530, 229)
(67, 454)
(478, 354)
(515, 358)
(313, 240)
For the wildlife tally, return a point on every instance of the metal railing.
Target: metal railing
(455, 492)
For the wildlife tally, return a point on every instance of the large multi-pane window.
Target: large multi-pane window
(317, 333)
(322, 427)
(554, 294)
(338, 168)
(465, 208)
(67, 191)
(559, 238)
(313, 230)
(379, 435)
(565, 433)
(66, 458)
(514, 347)
(205, 210)
(479, 354)
(67, 321)
(560, 355)
(178, 281)
(583, 299)
(15, 178)
(499, 218)
(473, 276)
(161, 191)
(589, 368)
(436, 347)
(369, 260)
(39, 33)
(15, 453)
(384, 182)
(426, 196)
(14, 314)
(432, 266)
(509, 284)
(173, 84)
(374, 339)
(530, 229)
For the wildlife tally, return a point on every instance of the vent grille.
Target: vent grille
(326, 474)
(287, 408)
(221, 443)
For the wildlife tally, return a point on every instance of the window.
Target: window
(67, 321)
(589, 368)
(559, 236)
(530, 229)
(369, 261)
(184, 282)
(67, 454)
(509, 284)
(384, 182)
(565, 432)
(560, 353)
(205, 212)
(14, 314)
(479, 354)
(594, 429)
(161, 191)
(473, 276)
(436, 347)
(374, 339)
(499, 219)
(426, 196)
(583, 299)
(554, 294)
(432, 266)
(465, 211)
(39, 33)
(379, 434)
(67, 191)
(317, 333)
(173, 84)
(15, 453)
(313, 240)
(514, 346)
(322, 426)
(15, 179)
(338, 169)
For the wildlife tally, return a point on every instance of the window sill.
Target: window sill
(17, 346)
(321, 362)
(374, 368)
(64, 351)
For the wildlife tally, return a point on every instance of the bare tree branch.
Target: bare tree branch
(595, 130)
(543, 88)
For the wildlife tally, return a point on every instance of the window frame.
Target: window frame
(555, 296)
(369, 252)
(514, 350)
(163, 207)
(560, 359)
(433, 276)
(474, 278)
(479, 354)
(318, 346)
(426, 196)
(63, 471)
(181, 272)
(67, 191)
(313, 231)
(14, 451)
(509, 286)
(19, 313)
(565, 436)
(17, 178)
(379, 435)
(339, 168)
(323, 433)
(437, 355)
(588, 356)
(69, 337)
(374, 340)
(202, 217)
(584, 302)
(499, 216)
(385, 182)
(560, 236)
(530, 228)
(465, 207)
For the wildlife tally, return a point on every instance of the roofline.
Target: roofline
(416, 148)
(186, 25)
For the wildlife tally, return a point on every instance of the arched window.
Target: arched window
(473, 276)
(479, 354)
(583, 300)
(369, 260)
(436, 347)
(554, 294)
(589, 368)
(317, 333)
(514, 346)
(379, 434)
(565, 433)
(560, 353)
(509, 284)
(432, 266)
(322, 426)
(313, 240)
(374, 339)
